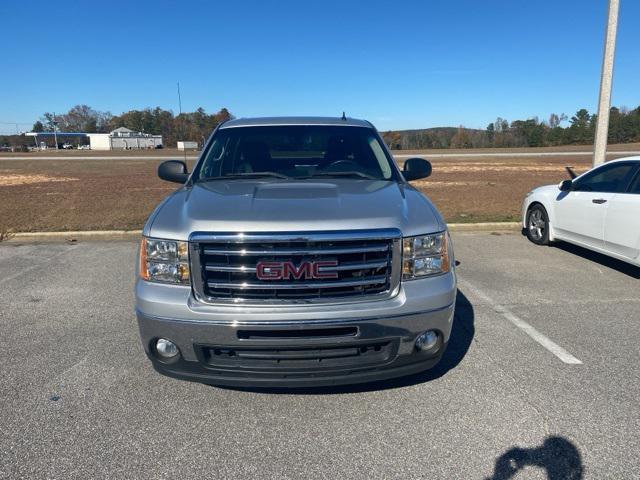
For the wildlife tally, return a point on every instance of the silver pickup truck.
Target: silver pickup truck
(295, 253)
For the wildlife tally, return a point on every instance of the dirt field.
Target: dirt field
(175, 153)
(52, 195)
(491, 190)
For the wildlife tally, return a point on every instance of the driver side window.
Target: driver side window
(635, 188)
(607, 179)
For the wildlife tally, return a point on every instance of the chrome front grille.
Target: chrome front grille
(363, 264)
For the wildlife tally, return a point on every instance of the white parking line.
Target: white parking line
(543, 340)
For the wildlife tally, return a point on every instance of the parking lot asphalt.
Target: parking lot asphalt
(78, 398)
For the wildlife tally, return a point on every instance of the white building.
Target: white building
(187, 145)
(123, 139)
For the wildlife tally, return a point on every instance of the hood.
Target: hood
(547, 188)
(285, 206)
(550, 191)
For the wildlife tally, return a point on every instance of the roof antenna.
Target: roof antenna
(344, 117)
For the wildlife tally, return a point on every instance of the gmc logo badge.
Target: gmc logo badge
(287, 270)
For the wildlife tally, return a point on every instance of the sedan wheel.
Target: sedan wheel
(538, 225)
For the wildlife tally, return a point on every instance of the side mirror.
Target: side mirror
(415, 168)
(173, 171)
(566, 186)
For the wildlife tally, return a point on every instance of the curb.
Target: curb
(135, 234)
(74, 235)
(484, 227)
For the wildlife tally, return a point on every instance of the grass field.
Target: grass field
(56, 194)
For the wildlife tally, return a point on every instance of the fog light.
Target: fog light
(428, 342)
(166, 348)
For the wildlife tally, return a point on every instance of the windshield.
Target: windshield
(295, 151)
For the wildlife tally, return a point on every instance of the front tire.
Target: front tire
(538, 225)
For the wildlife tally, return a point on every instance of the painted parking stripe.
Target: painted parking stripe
(542, 339)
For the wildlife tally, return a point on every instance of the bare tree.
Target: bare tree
(555, 120)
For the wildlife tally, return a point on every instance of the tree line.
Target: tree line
(624, 127)
(192, 126)
(558, 129)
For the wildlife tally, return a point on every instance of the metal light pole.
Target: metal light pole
(604, 103)
(55, 128)
(181, 120)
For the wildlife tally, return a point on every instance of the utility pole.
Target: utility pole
(181, 120)
(604, 103)
(55, 128)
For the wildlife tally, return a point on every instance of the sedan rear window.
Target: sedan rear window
(635, 187)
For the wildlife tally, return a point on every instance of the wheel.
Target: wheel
(538, 225)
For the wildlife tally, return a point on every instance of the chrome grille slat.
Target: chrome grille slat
(223, 266)
(302, 285)
(284, 251)
(229, 268)
(249, 269)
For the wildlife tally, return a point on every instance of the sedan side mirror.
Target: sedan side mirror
(415, 168)
(566, 186)
(173, 171)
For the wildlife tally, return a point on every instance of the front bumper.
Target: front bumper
(296, 346)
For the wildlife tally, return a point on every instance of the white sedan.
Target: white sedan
(598, 210)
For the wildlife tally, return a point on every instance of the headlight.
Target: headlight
(165, 261)
(425, 255)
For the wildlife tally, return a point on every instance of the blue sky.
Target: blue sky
(400, 64)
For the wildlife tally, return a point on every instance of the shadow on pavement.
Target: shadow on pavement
(559, 458)
(462, 334)
(603, 260)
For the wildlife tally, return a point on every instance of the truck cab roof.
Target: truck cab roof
(273, 121)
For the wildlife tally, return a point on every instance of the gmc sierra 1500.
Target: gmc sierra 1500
(295, 254)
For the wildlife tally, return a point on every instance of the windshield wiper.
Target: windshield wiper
(353, 173)
(247, 175)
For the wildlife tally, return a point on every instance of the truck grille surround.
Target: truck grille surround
(349, 265)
